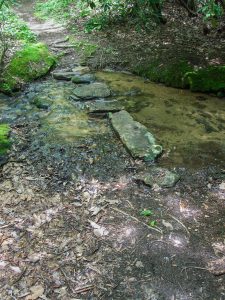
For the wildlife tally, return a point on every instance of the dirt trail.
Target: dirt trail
(70, 213)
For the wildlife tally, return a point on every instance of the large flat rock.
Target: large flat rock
(159, 176)
(135, 136)
(92, 91)
(103, 106)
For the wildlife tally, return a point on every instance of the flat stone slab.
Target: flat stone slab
(103, 106)
(135, 136)
(159, 176)
(92, 91)
(87, 78)
(72, 73)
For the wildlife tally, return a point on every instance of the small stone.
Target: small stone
(139, 264)
(158, 177)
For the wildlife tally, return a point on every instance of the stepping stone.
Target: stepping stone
(68, 75)
(135, 136)
(87, 78)
(63, 75)
(92, 91)
(160, 176)
(103, 106)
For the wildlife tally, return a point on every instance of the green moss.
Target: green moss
(211, 79)
(182, 75)
(4, 138)
(32, 62)
(86, 49)
(171, 74)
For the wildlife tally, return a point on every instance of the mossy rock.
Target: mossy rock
(4, 139)
(182, 75)
(211, 79)
(169, 74)
(32, 62)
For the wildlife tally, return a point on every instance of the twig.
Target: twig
(66, 279)
(5, 226)
(193, 267)
(20, 277)
(135, 219)
(180, 224)
(83, 289)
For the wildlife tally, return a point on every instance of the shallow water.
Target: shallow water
(189, 126)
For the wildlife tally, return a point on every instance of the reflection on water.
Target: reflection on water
(190, 126)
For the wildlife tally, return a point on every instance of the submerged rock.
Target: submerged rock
(93, 90)
(135, 136)
(160, 176)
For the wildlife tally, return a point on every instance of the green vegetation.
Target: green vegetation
(146, 213)
(33, 61)
(211, 79)
(13, 31)
(182, 75)
(85, 49)
(59, 9)
(4, 138)
(170, 74)
(100, 13)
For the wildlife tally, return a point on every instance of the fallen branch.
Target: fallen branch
(178, 221)
(83, 289)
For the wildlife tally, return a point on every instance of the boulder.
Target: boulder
(135, 136)
(160, 176)
(27, 64)
(92, 91)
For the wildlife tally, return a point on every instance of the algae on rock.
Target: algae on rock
(32, 62)
(4, 139)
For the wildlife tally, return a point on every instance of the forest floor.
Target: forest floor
(70, 209)
(182, 38)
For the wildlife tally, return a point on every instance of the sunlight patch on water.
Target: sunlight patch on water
(64, 119)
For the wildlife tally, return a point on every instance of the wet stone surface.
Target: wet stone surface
(92, 91)
(138, 140)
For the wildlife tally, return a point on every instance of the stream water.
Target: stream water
(189, 126)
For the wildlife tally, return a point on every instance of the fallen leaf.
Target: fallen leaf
(167, 224)
(37, 291)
